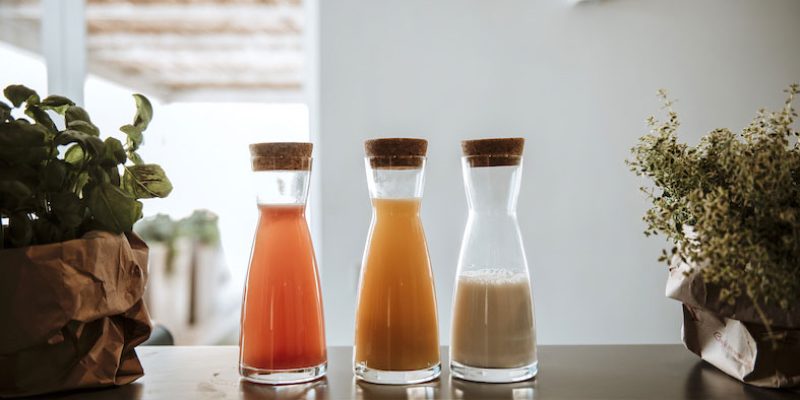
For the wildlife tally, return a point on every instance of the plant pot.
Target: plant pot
(732, 337)
(72, 314)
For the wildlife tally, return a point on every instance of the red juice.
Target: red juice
(282, 320)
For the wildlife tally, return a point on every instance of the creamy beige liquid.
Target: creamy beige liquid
(493, 323)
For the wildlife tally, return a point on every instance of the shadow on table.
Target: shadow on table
(706, 381)
(132, 391)
(317, 390)
(368, 391)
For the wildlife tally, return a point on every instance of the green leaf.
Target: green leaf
(146, 181)
(19, 94)
(41, 116)
(99, 174)
(83, 126)
(113, 176)
(76, 113)
(23, 143)
(13, 195)
(25, 174)
(75, 155)
(59, 104)
(135, 137)
(46, 231)
(53, 175)
(5, 112)
(135, 159)
(67, 207)
(20, 230)
(144, 112)
(113, 210)
(82, 182)
(90, 143)
(20, 133)
(113, 154)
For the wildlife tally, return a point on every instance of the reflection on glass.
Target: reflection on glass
(460, 389)
(368, 391)
(317, 390)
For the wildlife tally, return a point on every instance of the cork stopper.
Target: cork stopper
(277, 156)
(493, 152)
(396, 153)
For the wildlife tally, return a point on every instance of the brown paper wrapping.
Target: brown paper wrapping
(72, 313)
(732, 337)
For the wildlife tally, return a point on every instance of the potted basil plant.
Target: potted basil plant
(72, 273)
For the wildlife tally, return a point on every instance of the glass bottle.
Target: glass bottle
(282, 329)
(396, 338)
(493, 326)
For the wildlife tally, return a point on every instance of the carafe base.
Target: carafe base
(383, 377)
(494, 375)
(282, 376)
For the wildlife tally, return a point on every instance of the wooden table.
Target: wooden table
(566, 372)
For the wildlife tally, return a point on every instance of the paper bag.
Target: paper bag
(72, 313)
(732, 337)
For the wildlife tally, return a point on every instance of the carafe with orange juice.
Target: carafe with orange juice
(282, 329)
(397, 338)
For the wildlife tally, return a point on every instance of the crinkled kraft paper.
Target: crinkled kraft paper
(732, 337)
(72, 313)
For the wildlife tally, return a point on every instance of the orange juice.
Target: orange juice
(396, 322)
(282, 323)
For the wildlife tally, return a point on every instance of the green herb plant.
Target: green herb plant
(200, 228)
(731, 204)
(57, 184)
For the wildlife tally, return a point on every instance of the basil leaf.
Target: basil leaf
(75, 155)
(135, 137)
(90, 143)
(59, 104)
(20, 230)
(23, 143)
(46, 231)
(134, 157)
(76, 113)
(67, 207)
(19, 94)
(146, 181)
(113, 153)
(40, 116)
(5, 112)
(83, 126)
(144, 112)
(53, 175)
(113, 209)
(13, 195)
(25, 174)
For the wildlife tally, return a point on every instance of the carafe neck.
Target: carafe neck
(282, 187)
(396, 178)
(492, 190)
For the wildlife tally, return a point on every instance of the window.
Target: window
(220, 73)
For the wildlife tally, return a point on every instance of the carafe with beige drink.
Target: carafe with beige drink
(493, 325)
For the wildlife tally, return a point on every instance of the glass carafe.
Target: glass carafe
(396, 339)
(493, 325)
(282, 329)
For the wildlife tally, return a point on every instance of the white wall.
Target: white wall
(577, 82)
